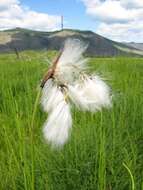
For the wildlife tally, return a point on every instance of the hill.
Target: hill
(24, 39)
(138, 46)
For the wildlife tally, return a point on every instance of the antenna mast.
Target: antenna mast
(62, 23)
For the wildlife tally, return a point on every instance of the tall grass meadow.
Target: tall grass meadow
(105, 149)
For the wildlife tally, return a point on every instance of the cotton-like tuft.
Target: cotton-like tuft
(97, 92)
(51, 96)
(75, 94)
(57, 127)
(71, 62)
(70, 83)
(91, 95)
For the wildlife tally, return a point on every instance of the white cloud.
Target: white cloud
(117, 19)
(132, 3)
(13, 14)
(122, 32)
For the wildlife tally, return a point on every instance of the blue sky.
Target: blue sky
(74, 12)
(119, 20)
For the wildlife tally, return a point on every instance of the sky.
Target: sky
(120, 20)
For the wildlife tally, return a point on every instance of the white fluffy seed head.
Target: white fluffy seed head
(71, 62)
(51, 96)
(57, 127)
(75, 94)
(91, 95)
(97, 91)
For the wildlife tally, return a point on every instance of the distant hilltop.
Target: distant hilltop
(24, 39)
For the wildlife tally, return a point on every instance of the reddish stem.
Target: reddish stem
(50, 73)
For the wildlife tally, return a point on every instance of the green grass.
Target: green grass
(105, 151)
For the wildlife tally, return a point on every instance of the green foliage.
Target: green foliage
(105, 150)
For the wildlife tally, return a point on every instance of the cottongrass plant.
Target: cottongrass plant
(67, 82)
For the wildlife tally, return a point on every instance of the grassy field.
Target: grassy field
(105, 151)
